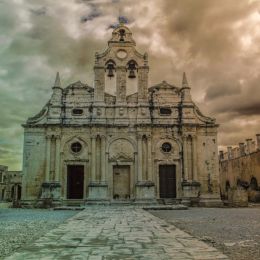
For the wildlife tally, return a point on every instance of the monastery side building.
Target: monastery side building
(120, 140)
(240, 172)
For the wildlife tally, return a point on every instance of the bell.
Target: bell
(131, 74)
(110, 73)
(122, 35)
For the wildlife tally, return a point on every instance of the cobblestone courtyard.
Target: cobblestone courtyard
(117, 233)
(234, 231)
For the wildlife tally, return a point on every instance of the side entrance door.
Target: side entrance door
(75, 181)
(167, 179)
(121, 182)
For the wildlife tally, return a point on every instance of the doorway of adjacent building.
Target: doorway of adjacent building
(121, 182)
(75, 181)
(167, 180)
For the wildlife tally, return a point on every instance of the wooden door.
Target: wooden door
(167, 179)
(75, 182)
(121, 182)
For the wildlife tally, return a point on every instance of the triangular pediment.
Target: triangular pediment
(164, 85)
(79, 84)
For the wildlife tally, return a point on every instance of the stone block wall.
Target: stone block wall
(241, 170)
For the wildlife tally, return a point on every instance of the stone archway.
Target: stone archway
(121, 158)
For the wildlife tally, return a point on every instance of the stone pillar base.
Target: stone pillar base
(190, 193)
(210, 200)
(51, 190)
(97, 192)
(145, 192)
(50, 195)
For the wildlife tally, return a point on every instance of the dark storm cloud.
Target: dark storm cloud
(39, 11)
(215, 42)
(219, 90)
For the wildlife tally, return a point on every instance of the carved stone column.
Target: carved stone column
(139, 159)
(143, 83)
(185, 158)
(149, 160)
(99, 83)
(121, 84)
(93, 158)
(57, 159)
(194, 158)
(103, 159)
(48, 158)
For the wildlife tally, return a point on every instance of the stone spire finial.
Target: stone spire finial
(185, 81)
(57, 81)
(186, 97)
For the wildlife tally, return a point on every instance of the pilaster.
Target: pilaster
(103, 159)
(139, 158)
(48, 158)
(57, 158)
(194, 158)
(93, 158)
(185, 158)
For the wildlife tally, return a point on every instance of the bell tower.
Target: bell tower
(121, 71)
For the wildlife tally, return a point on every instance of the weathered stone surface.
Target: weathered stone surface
(10, 186)
(240, 173)
(87, 138)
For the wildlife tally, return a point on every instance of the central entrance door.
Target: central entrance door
(167, 179)
(121, 182)
(75, 181)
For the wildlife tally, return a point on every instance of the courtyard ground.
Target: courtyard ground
(130, 233)
(117, 232)
(235, 231)
(19, 227)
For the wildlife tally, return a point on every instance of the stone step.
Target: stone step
(169, 201)
(73, 202)
(166, 207)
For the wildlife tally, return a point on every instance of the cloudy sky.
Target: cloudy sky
(215, 41)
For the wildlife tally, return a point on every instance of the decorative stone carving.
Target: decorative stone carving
(121, 128)
(121, 150)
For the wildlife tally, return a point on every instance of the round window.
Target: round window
(166, 147)
(76, 147)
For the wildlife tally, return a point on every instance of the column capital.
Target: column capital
(139, 136)
(149, 137)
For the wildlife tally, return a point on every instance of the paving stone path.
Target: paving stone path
(117, 232)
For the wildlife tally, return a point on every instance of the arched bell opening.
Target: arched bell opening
(131, 77)
(110, 77)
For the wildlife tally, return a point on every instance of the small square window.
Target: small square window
(165, 111)
(77, 111)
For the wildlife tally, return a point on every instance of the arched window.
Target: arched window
(227, 186)
(253, 184)
(110, 68)
(19, 192)
(12, 193)
(132, 67)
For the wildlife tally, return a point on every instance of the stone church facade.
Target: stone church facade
(120, 140)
